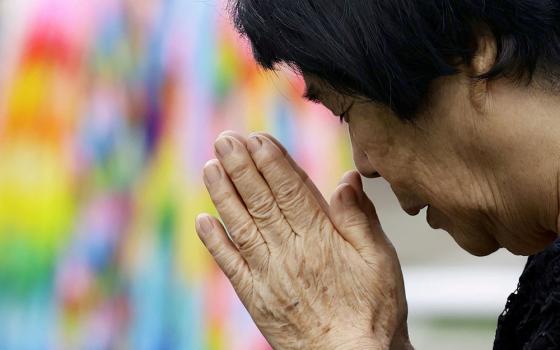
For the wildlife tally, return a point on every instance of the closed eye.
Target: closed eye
(312, 94)
(344, 115)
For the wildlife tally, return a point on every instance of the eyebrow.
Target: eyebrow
(312, 93)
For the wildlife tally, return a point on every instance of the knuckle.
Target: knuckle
(240, 228)
(290, 192)
(249, 241)
(273, 222)
(355, 220)
(239, 171)
(213, 250)
(261, 204)
(308, 221)
(234, 271)
(223, 199)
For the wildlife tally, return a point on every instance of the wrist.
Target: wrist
(349, 339)
(338, 339)
(401, 340)
(350, 343)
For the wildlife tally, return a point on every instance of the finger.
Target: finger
(350, 220)
(353, 178)
(235, 135)
(305, 178)
(240, 225)
(300, 207)
(253, 189)
(224, 252)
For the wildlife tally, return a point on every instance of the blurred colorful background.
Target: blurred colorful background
(108, 111)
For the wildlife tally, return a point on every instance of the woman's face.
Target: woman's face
(452, 158)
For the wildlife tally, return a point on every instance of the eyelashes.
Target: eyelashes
(312, 95)
(344, 116)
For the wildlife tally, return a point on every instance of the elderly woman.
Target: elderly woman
(456, 104)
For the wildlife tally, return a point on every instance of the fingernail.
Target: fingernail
(223, 146)
(348, 196)
(204, 223)
(254, 143)
(212, 173)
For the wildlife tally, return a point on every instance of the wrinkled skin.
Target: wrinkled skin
(312, 275)
(482, 155)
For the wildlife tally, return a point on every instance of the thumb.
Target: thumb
(354, 179)
(349, 218)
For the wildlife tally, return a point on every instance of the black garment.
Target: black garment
(531, 319)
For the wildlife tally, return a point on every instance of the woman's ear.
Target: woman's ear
(481, 63)
(484, 57)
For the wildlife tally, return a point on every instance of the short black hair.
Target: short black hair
(390, 50)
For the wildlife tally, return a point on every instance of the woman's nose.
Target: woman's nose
(369, 174)
(363, 164)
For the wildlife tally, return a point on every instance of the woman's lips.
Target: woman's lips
(430, 219)
(414, 210)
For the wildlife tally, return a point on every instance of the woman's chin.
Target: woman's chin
(475, 243)
(480, 250)
(478, 245)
